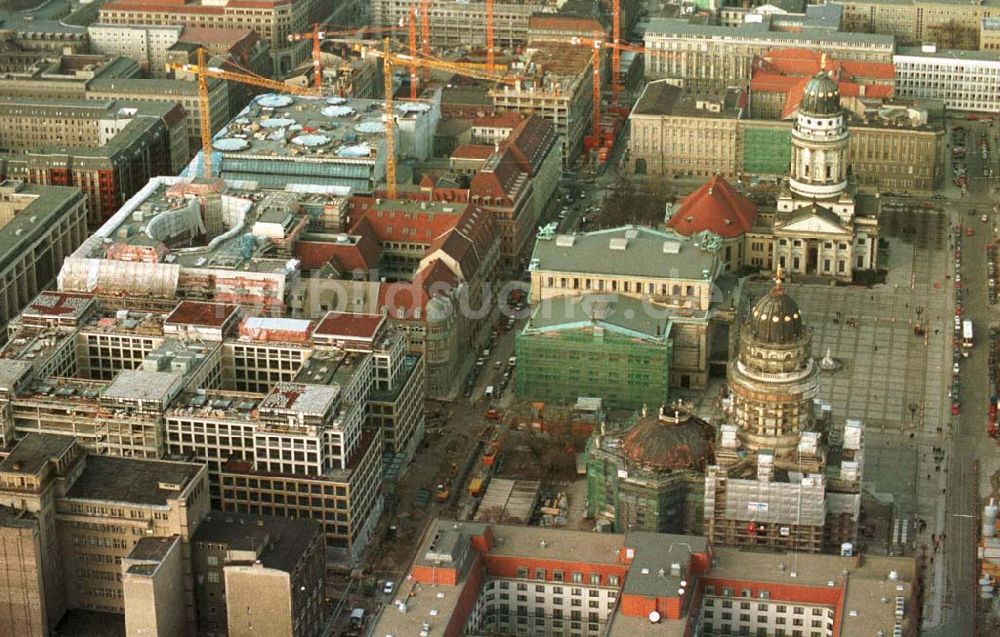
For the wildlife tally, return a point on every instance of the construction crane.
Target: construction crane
(390, 59)
(616, 47)
(202, 71)
(318, 35)
(616, 53)
(425, 32)
(489, 34)
(413, 52)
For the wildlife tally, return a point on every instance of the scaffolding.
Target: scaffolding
(767, 150)
(560, 366)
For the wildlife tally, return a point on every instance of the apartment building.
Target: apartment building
(272, 20)
(87, 514)
(950, 24)
(709, 58)
(107, 149)
(182, 92)
(558, 88)
(963, 80)
(674, 273)
(483, 578)
(40, 226)
(272, 406)
(56, 75)
(440, 258)
(153, 46)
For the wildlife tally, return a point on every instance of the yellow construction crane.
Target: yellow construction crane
(202, 71)
(390, 59)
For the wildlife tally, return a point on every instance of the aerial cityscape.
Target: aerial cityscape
(499, 318)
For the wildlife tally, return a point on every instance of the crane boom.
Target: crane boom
(202, 71)
(489, 34)
(389, 59)
(616, 53)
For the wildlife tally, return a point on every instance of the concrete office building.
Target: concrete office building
(202, 384)
(557, 87)
(87, 514)
(155, 46)
(40, 226)
(56, 75)
(107, 149)
(491, 578)
(952, 24)
(963, 80)
(449, 23)
(700, 57)
(272, 20)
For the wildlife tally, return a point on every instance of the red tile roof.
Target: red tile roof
(472, 151)
(789, 70)
(498, 179)
(200, 313)
(578, 26)
(532, 141)
(350, 325)
(419, 226)
(502, 120)
(715, 207)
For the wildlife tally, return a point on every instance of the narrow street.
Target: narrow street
(968, 439)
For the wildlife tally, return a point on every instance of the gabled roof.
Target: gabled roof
(499, 178)
(715, 207)
(472, 151)
(813, 218)
(531, 141)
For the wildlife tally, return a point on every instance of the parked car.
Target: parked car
(388, 587)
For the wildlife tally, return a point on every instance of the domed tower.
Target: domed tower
(774, 379)
(819, 143)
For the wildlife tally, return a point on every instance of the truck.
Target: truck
(476, 487)
(966, 335)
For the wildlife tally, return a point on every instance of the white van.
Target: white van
(490, 392)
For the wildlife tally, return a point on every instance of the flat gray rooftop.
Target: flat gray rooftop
(132, 481)
(646, 253)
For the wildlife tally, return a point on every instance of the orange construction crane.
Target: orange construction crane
(413, 52)
(317, 35)
(616, 54)
(425, 32)
(489, 34)
(390, 59)
(615, 79)
(203, 72)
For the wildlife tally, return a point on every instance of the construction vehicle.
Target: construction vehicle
(476, 486)
(441, 493)
(202, 71)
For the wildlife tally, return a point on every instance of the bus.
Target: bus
(967, 333)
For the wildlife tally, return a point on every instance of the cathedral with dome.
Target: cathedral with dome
(818, 229)
(786, 474)
(819, 225)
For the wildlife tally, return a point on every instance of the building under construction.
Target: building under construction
(279, 140)
(785, 476)
(203, 240)
(649, 475)
(557, 85)
(609, 348)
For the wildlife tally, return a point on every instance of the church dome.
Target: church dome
(776, 318)
(672, 440)
(821, 96)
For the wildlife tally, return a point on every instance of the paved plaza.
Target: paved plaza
(894, 381)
